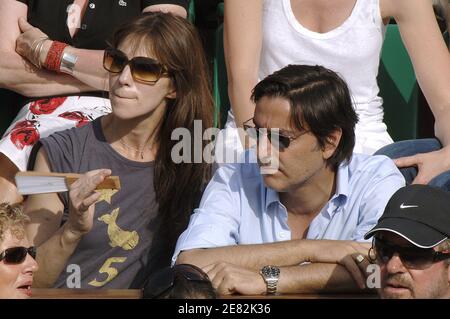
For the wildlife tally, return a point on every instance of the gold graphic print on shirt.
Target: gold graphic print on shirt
(108, 270)
(118, 237)
(106, 195)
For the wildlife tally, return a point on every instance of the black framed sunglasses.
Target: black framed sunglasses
(412, 257)
(276, 139)
(17, 255)
(161, 282)
(143, 69)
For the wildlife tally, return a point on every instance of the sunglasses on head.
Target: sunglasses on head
(276, 139)
(143, 69)
(17, 255)
(164, 280)
(412, 257)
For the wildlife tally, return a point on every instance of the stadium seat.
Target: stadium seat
(398, 87)
(191, 11)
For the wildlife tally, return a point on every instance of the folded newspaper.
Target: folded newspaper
(29, 183)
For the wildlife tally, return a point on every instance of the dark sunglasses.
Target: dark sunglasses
(146, 70)
(275, 138)
(162, 281)
(411, 257)
(17, 255)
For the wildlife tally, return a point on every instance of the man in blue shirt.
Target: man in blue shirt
(294, 228)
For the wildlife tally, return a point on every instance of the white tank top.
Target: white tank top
(352, 50)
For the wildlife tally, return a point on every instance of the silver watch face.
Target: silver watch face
(270, 272)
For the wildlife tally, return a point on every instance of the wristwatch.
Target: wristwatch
(270, 274)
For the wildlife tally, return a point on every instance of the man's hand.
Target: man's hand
(230, 279)
(344, 253)
(82, 199)
(429, 165)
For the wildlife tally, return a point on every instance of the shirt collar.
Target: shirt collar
(338, 199)
(271, 196)
(342, 186)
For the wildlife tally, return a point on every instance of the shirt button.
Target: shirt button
(92, 5)
(83, 26)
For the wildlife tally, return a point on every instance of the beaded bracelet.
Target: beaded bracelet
(53, 60)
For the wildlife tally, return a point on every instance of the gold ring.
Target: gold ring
(359, 259)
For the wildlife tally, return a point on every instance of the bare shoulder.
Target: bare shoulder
(42, 162)
(400, 9)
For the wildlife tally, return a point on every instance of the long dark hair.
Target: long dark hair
(175, 43)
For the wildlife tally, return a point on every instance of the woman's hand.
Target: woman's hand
(26, 43)
(82, 196)
(429, 165)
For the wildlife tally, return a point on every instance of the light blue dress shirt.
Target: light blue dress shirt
(237, 207)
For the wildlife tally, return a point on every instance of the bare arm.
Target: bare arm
(242, 46)
(430, 58)
(285, 253)
(338, 254)
(16, 73)
(172, 8)
(89, 67)
(57, 243)
(88, 70)
(431, 61)
(316, 278)
(309, 278)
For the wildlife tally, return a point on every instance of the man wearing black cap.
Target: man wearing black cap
(411, 244)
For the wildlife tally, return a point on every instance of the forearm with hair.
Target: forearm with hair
(284, 253)
(20, 76)
(316, 278)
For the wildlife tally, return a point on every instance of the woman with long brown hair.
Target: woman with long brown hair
(52, 57)
(158, 83)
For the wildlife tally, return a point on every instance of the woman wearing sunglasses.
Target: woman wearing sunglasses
(17, 264)
(52, 55)
(158, 83)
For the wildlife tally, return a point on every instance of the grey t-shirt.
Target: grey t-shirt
(123, 245)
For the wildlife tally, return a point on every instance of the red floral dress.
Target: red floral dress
(43, 117)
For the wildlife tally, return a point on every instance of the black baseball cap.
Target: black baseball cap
(418, 213)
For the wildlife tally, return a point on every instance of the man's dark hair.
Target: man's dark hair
(319, 99)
